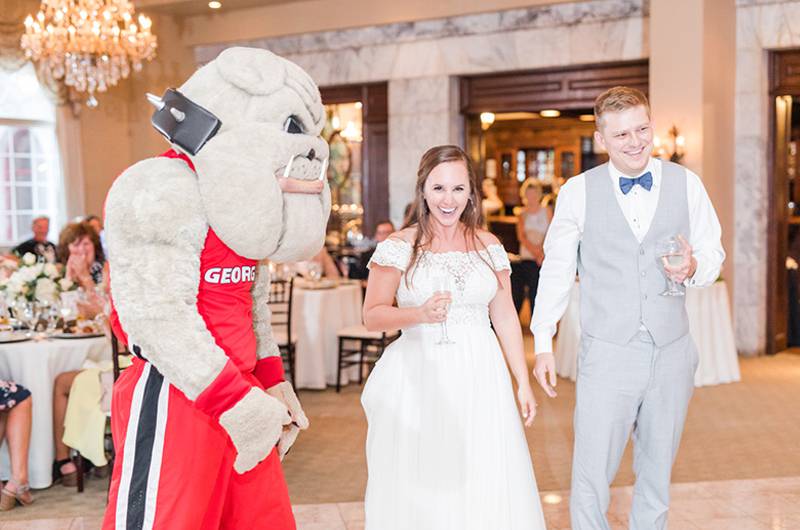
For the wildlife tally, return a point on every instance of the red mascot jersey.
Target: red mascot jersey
(225, 303)
(174, 462)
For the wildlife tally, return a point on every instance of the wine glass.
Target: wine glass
(5, 314)
(670, 251)
(26, 314)
(443, 285)
(314, 271)
(52, 313)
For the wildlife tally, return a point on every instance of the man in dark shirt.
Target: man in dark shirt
(38, 245)
(359, 271)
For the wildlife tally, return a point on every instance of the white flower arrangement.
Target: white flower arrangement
(35, 281)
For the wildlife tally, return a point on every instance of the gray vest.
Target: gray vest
(620, 278)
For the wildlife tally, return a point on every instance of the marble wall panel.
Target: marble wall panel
(421, 62)
(558, 15)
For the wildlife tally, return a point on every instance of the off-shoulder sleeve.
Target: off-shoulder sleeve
(391, 253)
(499, 257)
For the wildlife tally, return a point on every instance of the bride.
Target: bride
(445, 446)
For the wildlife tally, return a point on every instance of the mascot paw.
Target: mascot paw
(254, 425)
(284, 393)
(288, 437)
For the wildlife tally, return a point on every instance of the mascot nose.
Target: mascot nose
(311, 154)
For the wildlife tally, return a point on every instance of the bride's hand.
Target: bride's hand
(434, 310)
(527, 403)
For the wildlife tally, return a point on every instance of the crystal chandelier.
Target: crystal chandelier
(91, 44)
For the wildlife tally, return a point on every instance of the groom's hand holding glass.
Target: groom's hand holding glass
(687, 266)
(545, 373)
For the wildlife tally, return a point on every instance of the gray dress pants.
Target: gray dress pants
(635, 388)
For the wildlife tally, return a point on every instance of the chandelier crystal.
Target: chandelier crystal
(90, 44)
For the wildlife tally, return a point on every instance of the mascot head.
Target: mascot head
(272, 117)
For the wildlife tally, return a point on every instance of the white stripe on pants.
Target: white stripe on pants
(639, 388)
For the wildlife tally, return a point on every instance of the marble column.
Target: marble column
(422, 113)
(761, 25)
(692, 86)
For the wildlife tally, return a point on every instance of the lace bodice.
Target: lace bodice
(473, 281)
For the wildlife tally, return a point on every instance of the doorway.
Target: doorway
(535, 125)
(783, 255)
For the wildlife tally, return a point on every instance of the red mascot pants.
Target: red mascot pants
(174, 466)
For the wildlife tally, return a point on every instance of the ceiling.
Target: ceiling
(200, 7)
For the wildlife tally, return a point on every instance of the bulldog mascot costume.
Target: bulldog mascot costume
(202, 417)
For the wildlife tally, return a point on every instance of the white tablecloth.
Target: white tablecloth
(709, 323)
(317, 315)
(35, 366)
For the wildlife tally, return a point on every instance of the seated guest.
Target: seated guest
(97, 224)
(329, 268)
(359, 271)
(15, 427)
(79, 250)
(38, 244)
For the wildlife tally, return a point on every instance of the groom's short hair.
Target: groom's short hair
(617, 99)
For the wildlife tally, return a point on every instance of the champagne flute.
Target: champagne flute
(443, 285)
(670, 251)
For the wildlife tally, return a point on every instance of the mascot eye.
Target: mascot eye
(292, 125)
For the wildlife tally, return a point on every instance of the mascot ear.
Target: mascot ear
(255, 71)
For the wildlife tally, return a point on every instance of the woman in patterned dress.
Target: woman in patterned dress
(15, 428)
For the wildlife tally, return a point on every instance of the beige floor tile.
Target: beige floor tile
(701, 509)
(309, 516)
(38, 524)
(677, 523)
(351, 512)
(84, 523)
(338, 525)
(732, 523)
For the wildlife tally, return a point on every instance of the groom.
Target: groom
(636, 361)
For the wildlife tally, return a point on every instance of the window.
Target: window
(30, 169)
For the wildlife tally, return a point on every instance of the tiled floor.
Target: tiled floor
(758, 504)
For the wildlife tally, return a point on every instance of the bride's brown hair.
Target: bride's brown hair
(420, 215)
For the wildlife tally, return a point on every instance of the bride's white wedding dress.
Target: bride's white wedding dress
(445, 447)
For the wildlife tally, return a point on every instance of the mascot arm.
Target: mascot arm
(269, 368)
(155, 233)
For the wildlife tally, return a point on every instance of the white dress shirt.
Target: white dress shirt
(638, 206)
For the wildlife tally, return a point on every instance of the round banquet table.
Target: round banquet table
(317, 315)
(710, 324)
(35, 365)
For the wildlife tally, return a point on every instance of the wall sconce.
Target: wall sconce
(677, 145)
(487, 119)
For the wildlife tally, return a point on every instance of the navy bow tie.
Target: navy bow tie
(645, 181)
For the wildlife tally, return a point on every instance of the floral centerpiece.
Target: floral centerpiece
(34, 281)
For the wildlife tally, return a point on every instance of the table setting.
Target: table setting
(44, 332)
(322, 307)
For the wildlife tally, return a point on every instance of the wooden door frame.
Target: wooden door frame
(374, 98)
(564, 88)
(784, 80)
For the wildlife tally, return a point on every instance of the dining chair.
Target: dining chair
(360, 347)
(281, 296)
